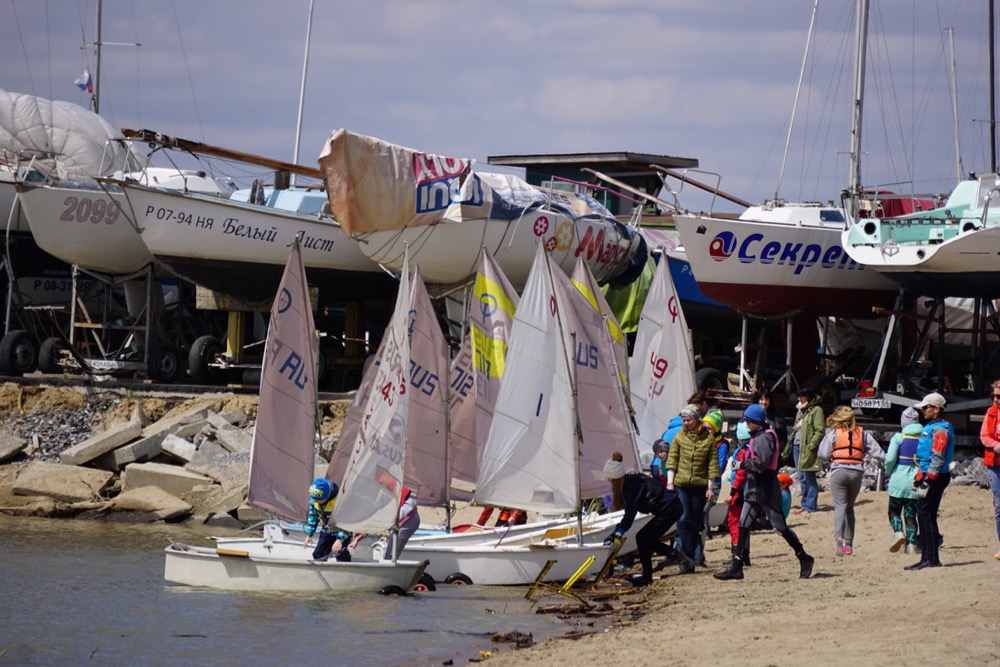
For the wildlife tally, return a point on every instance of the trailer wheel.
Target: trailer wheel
(458, 579)
(710, 379)
(203, 354)
(392, 590)
(18, 353)
(426, 583)
(162, 364)
(49, 355)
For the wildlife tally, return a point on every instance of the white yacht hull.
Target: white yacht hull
(229, 569)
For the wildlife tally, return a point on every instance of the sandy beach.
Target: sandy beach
(861, 609)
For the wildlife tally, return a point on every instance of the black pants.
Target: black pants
(647, 540)
(927, 523)
(749, 516)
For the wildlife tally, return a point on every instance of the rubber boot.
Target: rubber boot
(805, 564)
(734, 571)
(746, 558)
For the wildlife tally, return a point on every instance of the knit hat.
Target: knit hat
(691, 411)
(614, 469)
(714, 419)
(909, 416)
(756, 414)
(785, 480)
(742, 432)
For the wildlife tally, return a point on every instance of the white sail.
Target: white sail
(371, 486)
(426, 468)
(479, 367)
(530, 458)
(283, 449)
(662, 373)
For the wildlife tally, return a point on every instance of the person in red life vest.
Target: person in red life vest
(845, 446)
(737, 481)
(935, 452)
(763, 495)
(989, 435)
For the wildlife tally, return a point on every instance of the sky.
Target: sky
(714, 81)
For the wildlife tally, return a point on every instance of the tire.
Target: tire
(392, 590)
(18, 353)
(710, 379)
(203, 352)
(49, 355)
(829, 395)
(162, 365)
(426, 583)
(458, 579)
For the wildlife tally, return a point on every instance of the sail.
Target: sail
(284, 449)
(426, 469)
(371, 486)
(584, 280)
(604, 418)
(530, 458)
(477, 370)
(662, 374)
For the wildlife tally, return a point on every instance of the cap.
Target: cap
(661, 445)
(691, 411)
(756, 414)
(714, 419)
(785, 479)
(614, 469)
(934, 399)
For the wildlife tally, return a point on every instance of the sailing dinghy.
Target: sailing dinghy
(281, 464)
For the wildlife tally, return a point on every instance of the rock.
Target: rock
(231, 470)
(151, 500)
(101, 443)
(10, 445)
(69, 484)
(234, 440)
(139, 416)
(178, 448)
(172, 479)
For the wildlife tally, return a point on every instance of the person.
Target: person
(614, 471)
(989, 435)
(409, 521)
(786, 482)
(804, 439)
(700, 399)
(901, 469)
(657, 466)
(648, 495)
(845, 447)
(762, 495)
(714, 420)
(935, 452)
(691, 464)
(737, 481)
(765, 399)
(322, 498)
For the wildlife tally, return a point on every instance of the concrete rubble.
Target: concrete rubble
(189, 464)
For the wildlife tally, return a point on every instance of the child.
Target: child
(737, 479)
(657, 467)
(901, 468)
(332, 540)
(786, 493)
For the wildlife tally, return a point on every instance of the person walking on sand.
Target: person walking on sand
(989, 435)
(763, 495)
(901, 469)
(845, 447)
(737, 482)
(806, 433)
(935, 452)
(692, 464)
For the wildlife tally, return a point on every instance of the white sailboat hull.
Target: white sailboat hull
(89, 227)
(780, 265)
(509, 565)
(447, 252)
(208, 240)
(231, 570)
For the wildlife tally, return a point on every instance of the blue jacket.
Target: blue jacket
(936, 448)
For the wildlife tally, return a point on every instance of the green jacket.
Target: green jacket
(812, 424)
(694, 458)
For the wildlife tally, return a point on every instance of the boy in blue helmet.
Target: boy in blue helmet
(322, 498)
(762, 495)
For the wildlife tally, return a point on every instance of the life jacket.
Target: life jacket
(773, 463)
(908, 450)
(402, 500)
(849, 447)
(732, 463)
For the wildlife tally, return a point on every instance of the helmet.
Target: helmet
(323, 489)
(660, 446)
(756, 414)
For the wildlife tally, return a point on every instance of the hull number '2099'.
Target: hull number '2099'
(94, 211)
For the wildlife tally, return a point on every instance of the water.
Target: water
(78, 591)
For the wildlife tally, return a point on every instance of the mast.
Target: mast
(97, 61)
(798, 92)
(993, 92)
(302, 88)
(854, 154)
(954, 104)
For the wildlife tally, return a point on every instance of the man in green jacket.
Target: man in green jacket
(804, 439)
